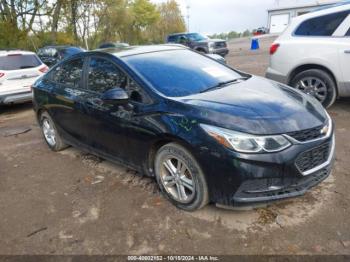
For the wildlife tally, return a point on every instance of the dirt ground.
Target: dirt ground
(74, 203)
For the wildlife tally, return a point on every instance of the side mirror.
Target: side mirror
(116, 96)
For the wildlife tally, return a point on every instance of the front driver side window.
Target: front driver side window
(104, 75)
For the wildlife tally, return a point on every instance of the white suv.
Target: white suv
(313, 54)
(18, 71)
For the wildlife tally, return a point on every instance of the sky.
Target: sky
(217, 16)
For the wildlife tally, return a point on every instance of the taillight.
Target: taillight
(44, 69)
(2, 74)
(274, 48)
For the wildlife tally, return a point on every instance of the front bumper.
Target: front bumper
(252, 179)
(267, 190)
(221, 51)
(16, 98)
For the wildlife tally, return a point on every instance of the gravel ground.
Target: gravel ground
(74, 203)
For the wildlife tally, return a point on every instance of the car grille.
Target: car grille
(313, 158)
(308, 134)
(220, 44)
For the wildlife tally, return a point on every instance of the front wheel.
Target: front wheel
(180, 178)
(318, 84)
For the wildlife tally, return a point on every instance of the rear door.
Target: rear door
(18, 72)
(66, 92)
(343, 40)
(323, 39)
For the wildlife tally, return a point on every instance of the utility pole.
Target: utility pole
(188, 17)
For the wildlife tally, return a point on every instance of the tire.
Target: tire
(201, 51)
(56, 143)
(197, 198)
(323, 80)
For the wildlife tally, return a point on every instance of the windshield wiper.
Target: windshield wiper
(223, 84)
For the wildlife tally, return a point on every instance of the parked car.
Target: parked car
(200, 43)
(18, 72)
(260, 31)
(313, 54)
(206, 132)
(113, 45)
(51, 55)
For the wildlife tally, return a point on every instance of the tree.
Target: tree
(144, 15)
(171, 21)
(55, 19)
(29, 24)
(246, 33)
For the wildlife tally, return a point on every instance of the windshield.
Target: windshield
(196, 37)
(18, 61)
(179, 73)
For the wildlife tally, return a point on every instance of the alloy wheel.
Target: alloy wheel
(177, 180)
(313, 86)
(49, 132)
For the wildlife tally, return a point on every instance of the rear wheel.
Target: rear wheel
(180, 178)
(318, 84)
(52, 137)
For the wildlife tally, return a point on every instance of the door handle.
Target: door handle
(347, 51)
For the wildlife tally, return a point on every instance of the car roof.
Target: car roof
(177, 34)
(15, 52)
(300, 19)
(326, 11)
(137, 50)
(185, 33)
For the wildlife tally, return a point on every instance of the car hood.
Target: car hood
(256, 106)
(211, 41)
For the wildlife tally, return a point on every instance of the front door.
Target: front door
(118, 131)
(104, 122)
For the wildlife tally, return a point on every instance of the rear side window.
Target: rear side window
(104, 75)
(173, 38)
(68, 74)
(321, 26)
(16, 62)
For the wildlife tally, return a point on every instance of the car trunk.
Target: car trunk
(18, 73)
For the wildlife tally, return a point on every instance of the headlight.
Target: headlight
(211, 45)
(246, 143)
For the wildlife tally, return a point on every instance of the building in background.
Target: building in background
(280, 16)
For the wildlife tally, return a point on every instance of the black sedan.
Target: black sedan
(206, 132)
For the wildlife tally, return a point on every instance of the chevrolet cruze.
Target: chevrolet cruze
(206, 132)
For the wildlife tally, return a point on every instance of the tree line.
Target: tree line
(31, 24)
(231, 35)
